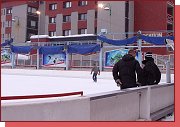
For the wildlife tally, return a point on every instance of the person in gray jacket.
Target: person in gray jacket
(95, 70)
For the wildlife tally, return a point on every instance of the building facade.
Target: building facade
(63, 18)
(154, 16)
(19, 20)
(116, 19)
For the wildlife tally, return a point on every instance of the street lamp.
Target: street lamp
(38, 13)
(107, 7)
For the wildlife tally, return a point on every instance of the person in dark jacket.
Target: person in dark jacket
(151, 74)
(124, 71)
(95, 70)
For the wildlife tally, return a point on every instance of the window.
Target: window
(9, 23)
(67, 4)
(52, 20)
(52, 6)
(66, 18)
(66, 32)
(3, 24)
(9, 11)
(33, 23)
(95, 30)
(82, 31)
(8, 36)
(30, 34)
(52, 33)
(82, 3)
(32, 10)
(3, 36)
(82, 16)
(96, 14)
(4, 11)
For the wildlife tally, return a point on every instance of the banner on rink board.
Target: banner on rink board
(54, 60)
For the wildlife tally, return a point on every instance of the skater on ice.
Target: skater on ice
(95, 70)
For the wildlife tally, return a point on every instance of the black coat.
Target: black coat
(151, 74)
(125, 70)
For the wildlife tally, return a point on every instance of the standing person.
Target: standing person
(124, 71)
(95, 70)
(151, 74)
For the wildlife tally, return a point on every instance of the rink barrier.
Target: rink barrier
(41, 96)
(149, 103)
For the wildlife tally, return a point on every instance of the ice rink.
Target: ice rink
(19, 82)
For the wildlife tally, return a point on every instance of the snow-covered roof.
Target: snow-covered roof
(39, 36)
(79, 35)
(47, 36)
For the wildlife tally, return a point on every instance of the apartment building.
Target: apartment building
(63, 18)
(118, 19)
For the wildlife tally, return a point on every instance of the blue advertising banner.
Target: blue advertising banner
(54, 60)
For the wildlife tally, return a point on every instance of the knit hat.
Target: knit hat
(148, 55)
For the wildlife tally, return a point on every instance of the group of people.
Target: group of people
(128, 73)
(126, 69)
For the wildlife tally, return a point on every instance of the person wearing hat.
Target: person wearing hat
(124, 71)
(151, 74)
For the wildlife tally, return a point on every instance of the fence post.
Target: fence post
(101, 57)
(168, 72)
(37, 64)
(13, 60)
(139, 48)
(67, 60)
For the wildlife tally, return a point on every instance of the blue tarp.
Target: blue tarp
(7, 42)
(51, 50)
(21, 49)
(118, 42)
(156, 40)
(84, 48)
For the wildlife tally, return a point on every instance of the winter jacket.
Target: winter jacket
(95, 69)
(125, 70)
(151, 74)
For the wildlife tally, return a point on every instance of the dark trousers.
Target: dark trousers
(94, 77)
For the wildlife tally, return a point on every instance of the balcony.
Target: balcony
(170, 3)
(170, 19)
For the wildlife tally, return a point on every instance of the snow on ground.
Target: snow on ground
(168, 118)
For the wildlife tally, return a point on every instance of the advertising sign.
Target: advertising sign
(55, 60)
(5, 56)
(113, 56)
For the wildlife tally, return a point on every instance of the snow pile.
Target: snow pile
(168, 118)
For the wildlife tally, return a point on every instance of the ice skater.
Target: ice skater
(95, 70)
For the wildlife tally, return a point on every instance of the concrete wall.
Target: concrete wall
(115, 106)
(90, 21)
(121, 105)
(49, 110)
(19, 31)
(114, 23)
(59, 19)
(74, 23)
(3, 19)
